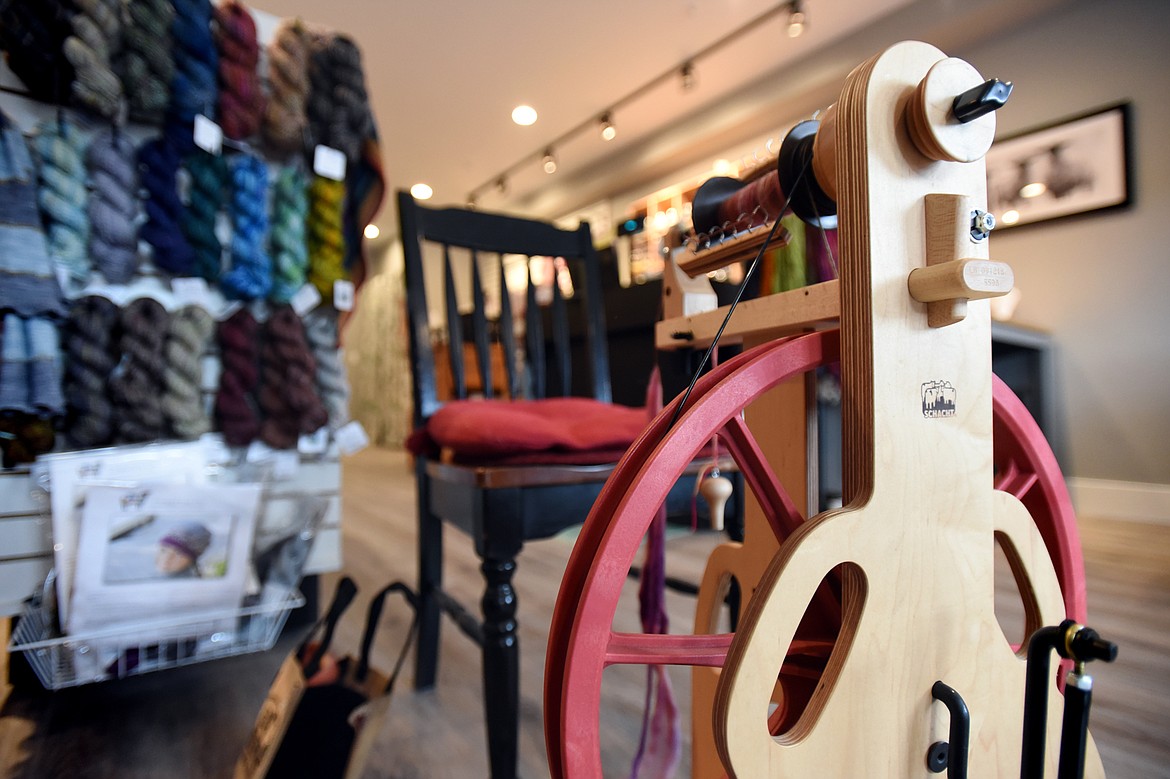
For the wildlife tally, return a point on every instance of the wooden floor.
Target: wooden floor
(192, 722)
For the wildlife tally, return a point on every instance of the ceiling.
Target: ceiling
(444, 76)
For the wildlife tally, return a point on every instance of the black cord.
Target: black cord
(738, 294)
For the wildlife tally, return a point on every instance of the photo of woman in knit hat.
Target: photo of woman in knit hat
(167, 548)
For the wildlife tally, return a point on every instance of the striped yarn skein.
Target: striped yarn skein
(30, 371)
(332, 381)
(285, 123)
(159, 165)
(235, 403)
(288, 394)
(113, 206)
(182, 401)
(91, 354)
(137, 385)
(290, 253)
(206, 196)
(147, 64)
(250, 276)
(91, 49)
(326, 241)
(194, 89)
(241, 99)
(61, 196)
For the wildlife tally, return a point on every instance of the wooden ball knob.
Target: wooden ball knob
(716, 490)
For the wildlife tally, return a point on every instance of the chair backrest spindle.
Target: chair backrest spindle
(534, 339)
(479, 327)
(454, 328)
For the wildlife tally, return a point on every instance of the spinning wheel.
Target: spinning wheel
(812, 614)
(582, 642)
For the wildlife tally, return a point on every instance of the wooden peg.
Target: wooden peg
(716, 490)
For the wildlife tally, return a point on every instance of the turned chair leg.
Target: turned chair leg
(501, 667)
(430, 582)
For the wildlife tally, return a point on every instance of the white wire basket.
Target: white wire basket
(73, 660)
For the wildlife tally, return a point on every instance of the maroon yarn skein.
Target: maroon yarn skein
(288, 394)
(235, 404)
(241, 99)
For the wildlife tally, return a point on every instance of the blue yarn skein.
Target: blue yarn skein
(159, 164)
(195, 87)
(290, 253)
(250, 276)
(113, 207)
(62, 197)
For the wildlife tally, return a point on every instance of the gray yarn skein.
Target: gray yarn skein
(44, 365)
(182, 401)
(332, 381)
(113, 207)
(14, 366)
(61, 195)
(91, 355)
(96, 40)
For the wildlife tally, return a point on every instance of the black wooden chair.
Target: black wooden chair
(501, 499)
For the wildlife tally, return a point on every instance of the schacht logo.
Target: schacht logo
(938, 399)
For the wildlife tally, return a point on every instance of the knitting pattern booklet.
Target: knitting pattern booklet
(153, 553)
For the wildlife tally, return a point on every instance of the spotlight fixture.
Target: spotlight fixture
(796, 19)
(421, 191)
(524, 115)
(687, 74)
(549, 161)
(608, 131)
(502, 185)
(371, 232)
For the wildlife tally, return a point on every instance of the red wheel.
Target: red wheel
(582, 641)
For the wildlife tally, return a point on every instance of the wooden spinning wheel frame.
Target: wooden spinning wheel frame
(825, 636)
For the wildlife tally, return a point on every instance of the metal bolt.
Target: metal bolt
(982, 223)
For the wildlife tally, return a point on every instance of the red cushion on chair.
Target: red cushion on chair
(564, 430)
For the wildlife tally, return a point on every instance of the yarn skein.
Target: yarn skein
(338, 109)
(290, 253)
(241, 99)
(137, 385)
(250, 276)
(285, 124)
(147, 65)
(206, 196)
(113, 207)
(44, 366)
(96, 40)
(288, 395)
(195, 84)
(33, 35)
(14, 366)
(61, 196)
(235, 404)
(91, 354)
(190, 334)
(159, 165)
(326, 241)
(332, 381)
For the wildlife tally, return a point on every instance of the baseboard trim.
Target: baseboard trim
(1109, 499)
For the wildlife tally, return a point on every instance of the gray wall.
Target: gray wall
(1099, 283)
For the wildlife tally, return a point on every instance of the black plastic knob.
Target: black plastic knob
(1088, 645)
(989, 96)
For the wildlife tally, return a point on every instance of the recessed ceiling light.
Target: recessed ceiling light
(422, 191)
(372, 231)
(524, 115)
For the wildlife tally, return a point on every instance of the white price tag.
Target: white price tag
(258, 452)
(351, 437)
(314, 443)
(191, 292)
(208, 135)
(305, 299)
(343, 295)
(329, 163)
(285, 464)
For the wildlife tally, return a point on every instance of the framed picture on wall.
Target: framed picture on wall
(1072, 167)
